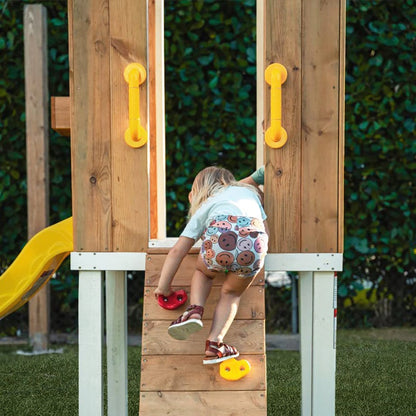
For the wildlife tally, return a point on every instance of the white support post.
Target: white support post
(90, 324)
(317, 331)
(116, 321)
(305, 324)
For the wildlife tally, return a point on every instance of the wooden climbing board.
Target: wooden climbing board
(173, 379)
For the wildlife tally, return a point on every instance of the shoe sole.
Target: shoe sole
(182, 330)
(220, 360)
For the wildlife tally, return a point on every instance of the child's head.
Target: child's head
(208, 182)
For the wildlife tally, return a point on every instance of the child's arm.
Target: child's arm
(171, 265)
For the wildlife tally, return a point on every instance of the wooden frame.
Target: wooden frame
(109, 216)
(303, 196)
(304, 179)
(157, 172)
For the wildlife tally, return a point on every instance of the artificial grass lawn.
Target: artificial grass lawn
(375, 376)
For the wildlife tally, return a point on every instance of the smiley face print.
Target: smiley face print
(222, 226)
(206, 245)
(244, 244)
(245, 258)
(225, 259)
(228, 240)
(243, 221)
(260, 245)
(236, 244)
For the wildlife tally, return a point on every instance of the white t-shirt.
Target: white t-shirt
(234, 200)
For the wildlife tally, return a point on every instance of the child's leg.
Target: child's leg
(190, 321)
(201, 285)
(227, 306)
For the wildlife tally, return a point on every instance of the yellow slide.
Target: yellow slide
(35, 265)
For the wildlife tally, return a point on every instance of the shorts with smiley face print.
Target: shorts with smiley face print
(236, 244)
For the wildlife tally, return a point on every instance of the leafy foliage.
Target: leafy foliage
(380, 163)
(13, 206)
(13, 187)
(210, 55)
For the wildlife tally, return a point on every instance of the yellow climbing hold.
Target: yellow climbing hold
(233, 369)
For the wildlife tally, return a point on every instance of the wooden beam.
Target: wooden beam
(37, 153)
(128, 174)
(260, 49)
(61, 115)
(320, 126)
(90, 124)
(341, 122)
(283, 28)
(109, 178)
(304, 178)
(156, 79)
(218, 403)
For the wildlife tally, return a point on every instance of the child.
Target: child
(256, 179)
(228, 217)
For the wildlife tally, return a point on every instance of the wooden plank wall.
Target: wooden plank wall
(173, 379)
(304, 179)
(109, 179)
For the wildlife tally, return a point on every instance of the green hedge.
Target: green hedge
(210, 55)
(210, 106)
(13, 206)
(380, 162)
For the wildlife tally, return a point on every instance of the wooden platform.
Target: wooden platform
(173, 379)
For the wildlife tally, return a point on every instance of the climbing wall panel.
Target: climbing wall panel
(173, 379)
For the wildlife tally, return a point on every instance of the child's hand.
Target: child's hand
(162, 291)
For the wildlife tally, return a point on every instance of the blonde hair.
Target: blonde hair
(210, 181)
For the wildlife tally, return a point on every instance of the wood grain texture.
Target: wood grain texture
(90, 125)
(153, 168)
(247, 336)
(341, 123)
(61, 115)
(172, 366)
(37, 120)
(215, 403)
(129, 186)
(251, 305)
(37, 154)
(283, 166)
(304, 179)
(110, 202)
(320, 126)
(195, 376)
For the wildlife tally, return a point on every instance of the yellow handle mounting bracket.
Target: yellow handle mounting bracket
(275, 75)
(135, 75)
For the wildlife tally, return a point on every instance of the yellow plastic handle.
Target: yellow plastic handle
(135, 75)
(276, 135)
